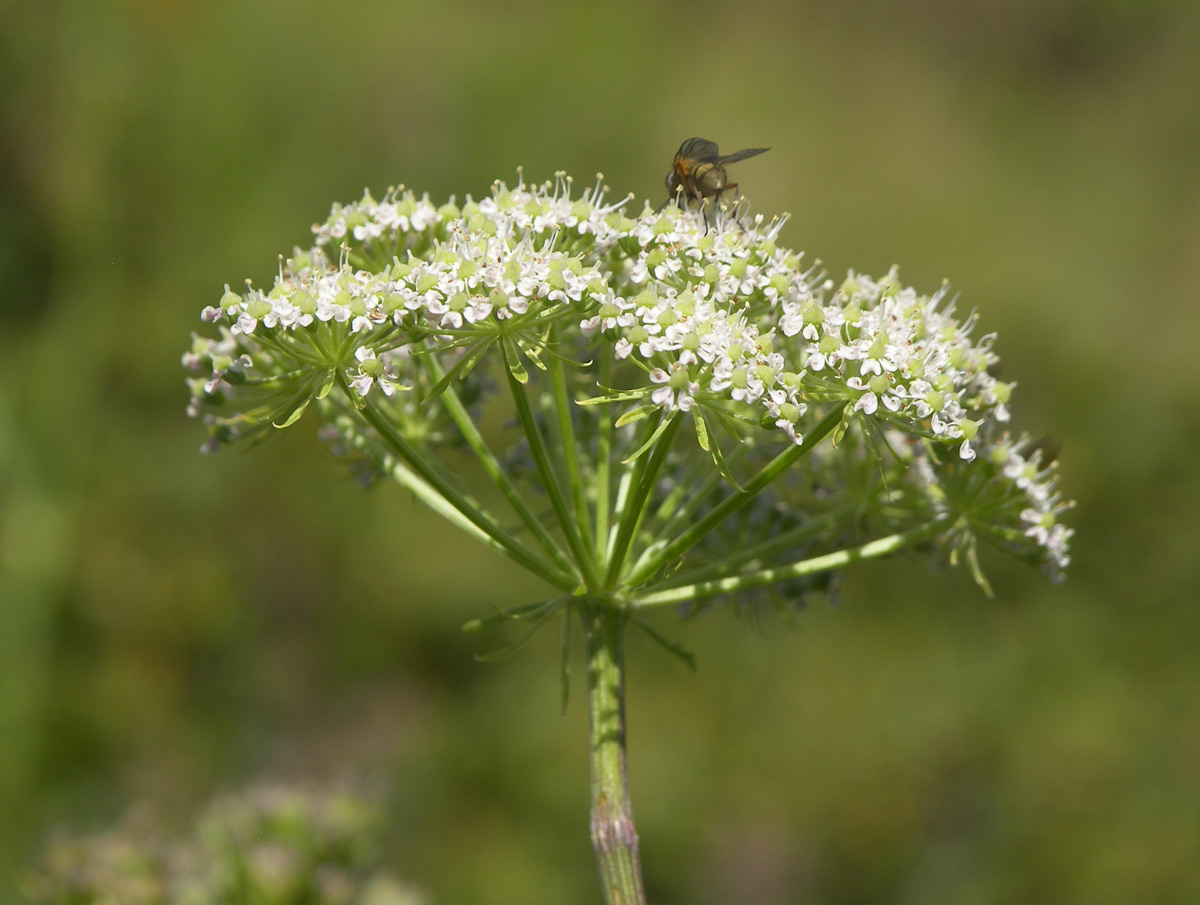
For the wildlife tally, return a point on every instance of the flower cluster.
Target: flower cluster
(403, 223)
(501, 265)
(729, 313)
(695, 312)
(717, 314)
(1042, 536)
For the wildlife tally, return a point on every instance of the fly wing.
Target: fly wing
(739, 155)
(698, 149)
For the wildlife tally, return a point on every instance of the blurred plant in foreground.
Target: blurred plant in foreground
(829, 422)
(271, 846)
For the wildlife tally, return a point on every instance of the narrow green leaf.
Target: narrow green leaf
(519, 613)
(512, 360)
(722, 465)
(876, 441)
(294, 416)
(672, 647)
(701, 430)
(565, 359)
(658, 432)
(531, 351)
(616, 396)
(976, 569)
(843, 425)
(636, 414)
(509, 650)
(880, 440)
(462, 367)
(728, 421)
(326, 385)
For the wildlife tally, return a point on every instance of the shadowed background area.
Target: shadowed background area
(172, 624)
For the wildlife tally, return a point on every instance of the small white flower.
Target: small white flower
(373, 372)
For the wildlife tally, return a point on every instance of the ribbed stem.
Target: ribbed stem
(613, 835)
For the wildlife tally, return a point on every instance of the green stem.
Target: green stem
(563, 406)
(842, 558)
(734, 501)
(404, 476)
(630, 474)
(604, 448)
(694, 489)
(470, 510)
(613, 835)
(492, 467)
(754, 554)
(581, 554)
(635, 506)
(681, 503)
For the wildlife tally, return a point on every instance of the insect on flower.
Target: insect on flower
(698, 170)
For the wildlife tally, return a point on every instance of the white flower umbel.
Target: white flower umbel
(826, 422)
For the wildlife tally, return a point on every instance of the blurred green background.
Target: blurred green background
(172, 624)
